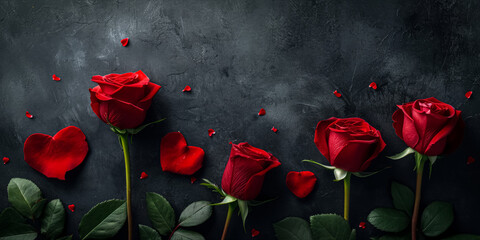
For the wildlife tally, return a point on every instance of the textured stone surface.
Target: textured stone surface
(239, 56)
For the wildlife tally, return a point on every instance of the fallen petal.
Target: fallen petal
(29, 115)
(362, 225)
(55, 78)
(337, 94)
(193, 179)
(255, 232)
(211, 132)
(470, 160)
(143, 175)
(262, 112)
(71, 207)
(124, 42)
(373, 85)
(274, 129)
(468, 94)
(187, 89)
(6, 160)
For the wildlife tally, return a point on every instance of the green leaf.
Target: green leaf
(195, 214)
(403, 154)
(11, 215)
(436, 218)
(227, 200)
(292, 228)
(38, 208)
(69, 237)
(329, 227)
(17, 231)
(319, 164)
(138, 129)
(53, 220)
(403, 198)
(243, 209)
(463, 237)
(388, 219)
(148, 233)
(103, 220)
(213, 186)
(353, 235)
(182, 234)
(160, 212)
(24, 196)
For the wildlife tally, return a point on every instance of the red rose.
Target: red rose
(349, 144)
(245, 171)
(429, 126)
(122, 100)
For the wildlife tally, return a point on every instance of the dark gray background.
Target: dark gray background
(238, 56)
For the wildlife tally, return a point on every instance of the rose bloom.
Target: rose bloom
(349, 144)
(245, 171)
(429, 126)
(122, 100)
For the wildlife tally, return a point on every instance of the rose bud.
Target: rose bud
(429, 126)
(349, 144)
(122, 100)
(245, 171)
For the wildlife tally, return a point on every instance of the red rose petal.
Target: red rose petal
(274, 129)
(362, 225)
(124, 42)
(468, 94)
(29, 115)
(55, 78)
(143, 175)
(255, 232)
(177, 157)
(373, 85)
(470, 160)
(301, 183)
(262, 112)
(6, 160)
(230, 142)
(337, 93)
(187, 89)
(211, 132)
(71, 207)
(193, 179)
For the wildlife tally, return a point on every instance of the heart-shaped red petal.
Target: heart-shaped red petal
(55, 78)
(6, 160)
(211, 132)
(28, 115)
(71, 207)
(274, 129)
(301, 183)
(468, 94)
(54, 156)
(362, 225)
(470, 160)
(337, 94)
(193, 179)
(262, 112)
(177, 157)
(124, 42)
(255, 232)
(373, 85)
(143, 175)
(187, 89)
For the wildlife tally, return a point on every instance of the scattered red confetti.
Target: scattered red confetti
(143, 175)
(71, 207)
(6, 160)
(211, 132)
(124, 42)
(262, 112)
(230, 142)
(274, 129)
(470, 160)
(29, 115)
(373, 85)
(55, 78)
(468, 94)
(187, 89)
(362, 225)
(193, 179)
(255, 232)
(337, 94)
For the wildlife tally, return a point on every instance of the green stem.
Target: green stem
(346, 202)
(124, 141)
(418, 192)
(231, 208)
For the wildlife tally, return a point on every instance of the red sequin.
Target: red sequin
(55, 78)
(255, 232)
(124, 42)
(193, 179)
(262, 112)
(143, 175)
(28, 115)
(274, 129)
(468, 94)
(187, 89)
(470, 160)
(211, 132)
(362, 225)
(6, 160)
(373, 85)
(71, 207)
(337, 94)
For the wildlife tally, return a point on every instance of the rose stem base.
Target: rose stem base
(346, 202)
(231, 208)
(418, 192)
(126, 153)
